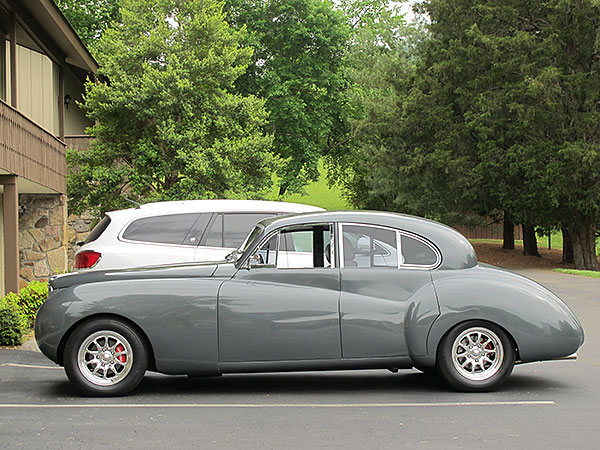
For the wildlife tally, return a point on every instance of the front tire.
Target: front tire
(105, 358)
(476, 356)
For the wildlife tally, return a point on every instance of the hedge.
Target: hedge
(17, 311)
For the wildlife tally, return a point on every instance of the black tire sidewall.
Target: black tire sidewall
(455, 379)
(133, 378)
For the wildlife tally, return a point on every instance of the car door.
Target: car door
(386, 293)
(281, 307)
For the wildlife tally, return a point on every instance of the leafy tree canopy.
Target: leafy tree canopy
(297, 68)
(90, 18)
(168, 125)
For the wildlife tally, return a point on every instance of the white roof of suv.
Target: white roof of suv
(179, 207)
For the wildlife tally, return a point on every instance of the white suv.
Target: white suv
(173, 232)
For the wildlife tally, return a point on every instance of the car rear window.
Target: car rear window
(417, 253)
(98, 230)
(171, 229)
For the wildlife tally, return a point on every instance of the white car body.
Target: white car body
(118, 249)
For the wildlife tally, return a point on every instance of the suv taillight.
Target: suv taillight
(86, 259)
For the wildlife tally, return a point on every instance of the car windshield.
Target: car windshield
(256, 231)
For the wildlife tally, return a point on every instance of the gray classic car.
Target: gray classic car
(317, 291)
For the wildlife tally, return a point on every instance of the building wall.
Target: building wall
(37, 86)
(78, 228)
(75, 119)
(42, 236)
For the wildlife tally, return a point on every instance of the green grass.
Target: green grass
(583, 273)
(317, 194)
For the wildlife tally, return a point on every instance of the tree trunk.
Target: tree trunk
(567, 255)
(529, 241)
(508, 234)
(584, 246)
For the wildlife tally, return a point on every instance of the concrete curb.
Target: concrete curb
(30, 345)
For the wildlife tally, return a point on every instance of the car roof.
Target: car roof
(456, 250)
(217, 205)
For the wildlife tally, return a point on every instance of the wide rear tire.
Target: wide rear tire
(476, 356)
(105, 358)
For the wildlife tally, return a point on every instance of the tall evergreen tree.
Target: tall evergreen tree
(499, 113)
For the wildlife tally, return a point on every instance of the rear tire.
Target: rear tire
(105, 358)
(476, 356)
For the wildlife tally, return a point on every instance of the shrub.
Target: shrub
(12, 323)
(30, 299)
(17, 311)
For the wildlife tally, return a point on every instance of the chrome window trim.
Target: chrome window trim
(399, 234)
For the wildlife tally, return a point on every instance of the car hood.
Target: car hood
(189, 270)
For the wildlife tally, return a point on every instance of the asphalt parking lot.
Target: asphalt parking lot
(542, 405)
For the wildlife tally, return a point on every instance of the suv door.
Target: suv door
(284, 306)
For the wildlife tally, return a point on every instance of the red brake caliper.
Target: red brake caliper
(120, 348)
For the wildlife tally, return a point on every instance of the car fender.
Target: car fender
(178, 316)
(540, 324)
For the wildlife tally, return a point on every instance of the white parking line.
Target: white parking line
(290, 405)
(29, 366)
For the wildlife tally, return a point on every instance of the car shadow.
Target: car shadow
(410, 383)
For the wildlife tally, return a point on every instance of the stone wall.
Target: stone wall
(42, 236)
(78, 228)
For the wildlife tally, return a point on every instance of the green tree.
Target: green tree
(499, 113)
(168, 125)
(297, 68)
(90, 18)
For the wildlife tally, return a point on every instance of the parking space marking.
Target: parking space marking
(29, 366)
(289, 405)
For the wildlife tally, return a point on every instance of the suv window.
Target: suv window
(172, 229)
(230, 229)
(98, 230)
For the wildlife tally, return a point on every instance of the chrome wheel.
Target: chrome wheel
(477, 354)
(105, 358)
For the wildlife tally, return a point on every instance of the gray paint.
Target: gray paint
(208, 318)
(269, 314)
(378, 305)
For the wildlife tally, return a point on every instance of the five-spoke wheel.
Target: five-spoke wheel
(476, 356)
(105, 357)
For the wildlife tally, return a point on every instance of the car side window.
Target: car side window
(230, 229)
(367, 247)
(236, 226)
(417, 253)
(298, 248)
(170, 229)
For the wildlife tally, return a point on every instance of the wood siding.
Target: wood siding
(81, 142)
(27, 150)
